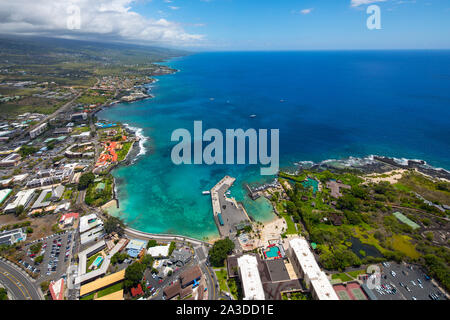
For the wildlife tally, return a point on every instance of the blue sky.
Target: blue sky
(235, 24)
(323, 24)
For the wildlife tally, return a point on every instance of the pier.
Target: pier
(228, 213)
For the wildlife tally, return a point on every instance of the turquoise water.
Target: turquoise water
(327, 105)
(272, 252)
(308, 183)
(97, 261)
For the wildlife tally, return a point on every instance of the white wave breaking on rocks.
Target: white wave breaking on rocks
(139, 132)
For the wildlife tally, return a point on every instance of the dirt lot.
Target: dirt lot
(42, 226)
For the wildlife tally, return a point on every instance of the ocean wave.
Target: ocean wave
(363, 161)
(139, 132)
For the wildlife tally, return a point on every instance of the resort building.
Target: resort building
(335, 187)
(10, 237)
(251, 281)
(83, 275)
(305, 264)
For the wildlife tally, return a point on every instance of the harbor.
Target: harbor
(229, 215)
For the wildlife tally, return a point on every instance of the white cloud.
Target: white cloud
(357, 3)
(100, 19)
(306, 11)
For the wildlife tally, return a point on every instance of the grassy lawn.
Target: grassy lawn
(110, 289)
(88, 297)
(90, 260)
(290, 224)
(402, 243)
(342, 276)
(356, 273)
(79, 130)
(122, 153)
(221, 275)
(234, 289)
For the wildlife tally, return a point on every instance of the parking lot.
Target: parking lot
(56, 252)
(405, 282)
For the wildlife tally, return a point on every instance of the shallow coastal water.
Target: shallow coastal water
(327, 105)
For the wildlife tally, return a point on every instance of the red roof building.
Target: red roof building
(57, 289)
(137, 291)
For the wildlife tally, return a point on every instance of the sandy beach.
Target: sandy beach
(390, 176)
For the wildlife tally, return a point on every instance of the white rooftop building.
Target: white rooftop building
(89, 222)
(159, 251)
(251, 281)
(22, 198)
(304, 261)
(37, 131)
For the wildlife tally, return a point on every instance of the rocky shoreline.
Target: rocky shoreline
(368, 165)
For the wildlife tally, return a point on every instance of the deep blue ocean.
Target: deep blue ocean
(327, 105)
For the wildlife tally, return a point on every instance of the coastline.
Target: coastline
(346, 163)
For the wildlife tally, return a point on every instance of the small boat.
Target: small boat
(206, 192)
(253, 116)
(282, 100)
(211, 99)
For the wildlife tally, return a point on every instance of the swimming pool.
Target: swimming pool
(97, 261)
(273, 252)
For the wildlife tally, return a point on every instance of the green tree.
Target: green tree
(219, 252)
(172, 247)
(133, 275)
(3, 294)
(85, 180)
(114, 224)
(152, 243)
(27, 150)
(147, 260)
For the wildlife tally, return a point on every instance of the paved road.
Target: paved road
(17, 284)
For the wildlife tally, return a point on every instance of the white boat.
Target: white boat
(253, 116)
(206, 192)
